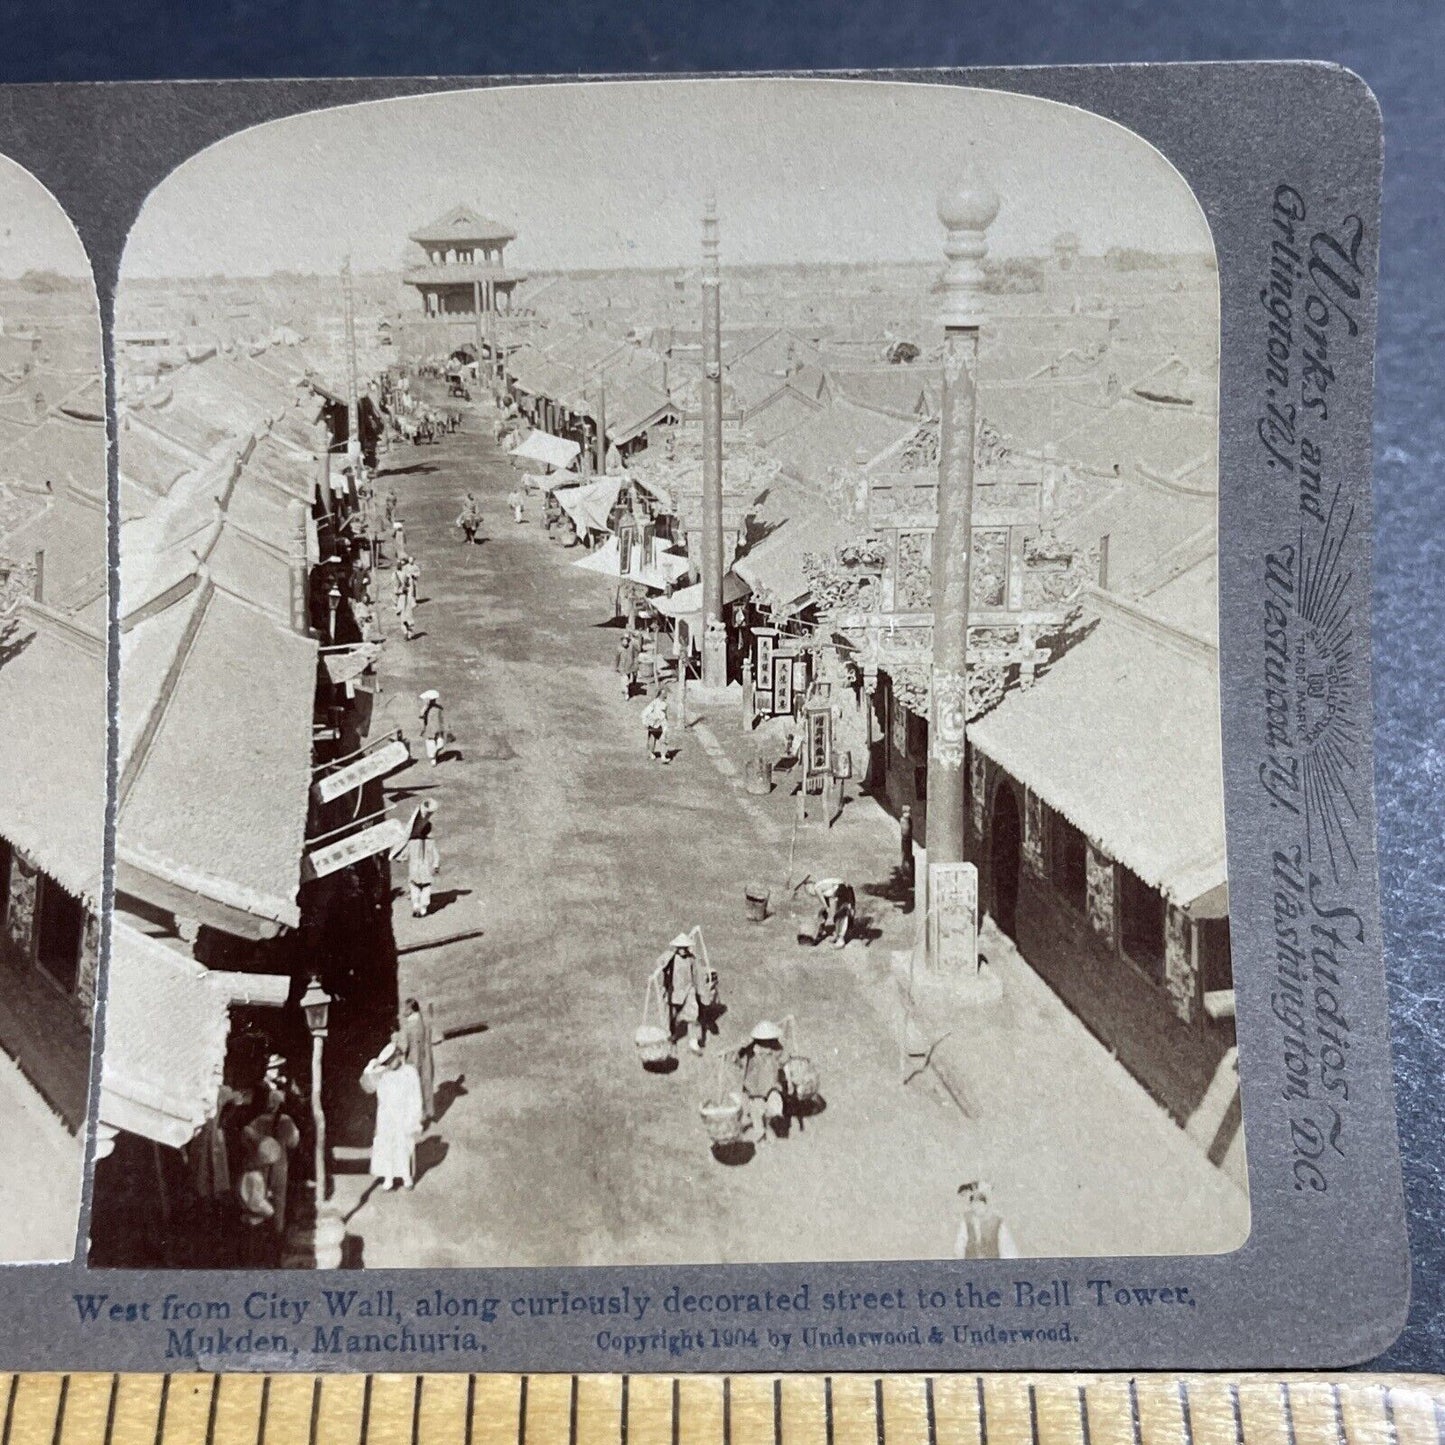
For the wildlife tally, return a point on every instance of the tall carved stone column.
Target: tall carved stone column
(966, 211)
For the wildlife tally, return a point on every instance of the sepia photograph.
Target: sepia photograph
(669, 688)
(53, 599)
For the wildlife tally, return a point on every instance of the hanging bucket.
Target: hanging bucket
(654, 1046)
(723, 1119)
(802, 1078)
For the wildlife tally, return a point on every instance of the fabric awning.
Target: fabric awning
(685, 605)
(591, 504)
(686, 602)
(348, 665)
(665, 568)
(542, 446)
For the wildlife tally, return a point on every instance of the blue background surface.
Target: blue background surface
(1397, 46)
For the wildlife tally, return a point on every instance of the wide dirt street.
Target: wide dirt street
(570, 860)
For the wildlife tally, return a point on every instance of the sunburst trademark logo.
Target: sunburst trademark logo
(1311, 690)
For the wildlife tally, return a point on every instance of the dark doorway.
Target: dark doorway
(1005, 853)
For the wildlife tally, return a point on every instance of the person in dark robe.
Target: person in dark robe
(423, 861)
(417, 1050)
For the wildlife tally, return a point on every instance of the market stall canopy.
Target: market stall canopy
(686, 605)
(542, 446)
(591, 504)
(346, 665)
(660, 574)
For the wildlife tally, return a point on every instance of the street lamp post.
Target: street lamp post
(316, 1007)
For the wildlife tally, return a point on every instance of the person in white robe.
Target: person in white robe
(397, 1087)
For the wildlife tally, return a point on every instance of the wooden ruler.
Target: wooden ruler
(1042, 1409)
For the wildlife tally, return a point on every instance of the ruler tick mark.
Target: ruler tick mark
(1338, 1407)
(211, 1414)
(879, 1429)
(315, 1410)
(416, 1410)
(110, 1408)
(1286, 1405)
(828, 1408)
(60, 1410)
(265, 1409)
(1387, 1403)
(1084, 1432)
(160, 1411)
(930, 1410)
(572, 1413)
(1186, 1416)
(982, 1411)
(10, 1407)
(522, 1413)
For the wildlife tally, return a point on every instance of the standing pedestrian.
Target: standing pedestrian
(275, 1124)
(517, 501)
(423, 860)
(398, 535)
(627, 662)
(654, 724)
(397, 1087)
(260, 1244)
(689, 987)
(470, 519)
(399, 582)
(982, 1233)
(433, 725)
(417, 1049)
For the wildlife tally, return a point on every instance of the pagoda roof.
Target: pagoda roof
(461, 224)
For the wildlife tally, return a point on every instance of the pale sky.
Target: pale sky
(615, 174)
(35, 232)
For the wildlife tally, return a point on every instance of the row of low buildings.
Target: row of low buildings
(237, 880)
(1095, 772)
(53, 588)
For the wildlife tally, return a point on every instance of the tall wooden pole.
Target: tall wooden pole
(966, 211)
(353, 432)
(715, 656)
(477, 309)
(318, 1120)
(601, 420)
